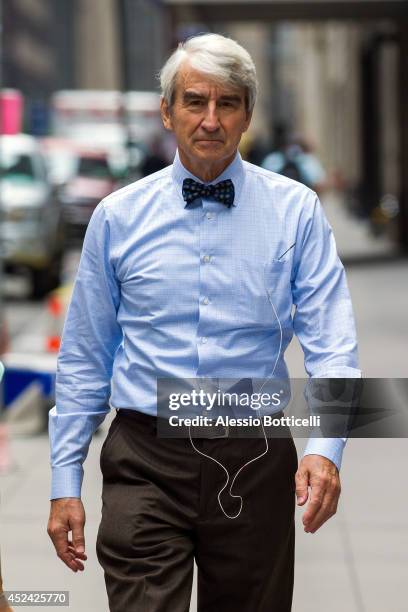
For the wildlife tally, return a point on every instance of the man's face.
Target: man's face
(208, 119)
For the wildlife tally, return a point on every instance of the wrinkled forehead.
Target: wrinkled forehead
(190, 80)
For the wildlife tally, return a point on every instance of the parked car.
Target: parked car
(31, 222)
(60, 159)
(3, 327)
(3, 343)
(95, 178)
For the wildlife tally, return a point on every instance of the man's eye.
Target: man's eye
(196, 102)
(227, 104)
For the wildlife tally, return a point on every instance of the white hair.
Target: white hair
(221, 57)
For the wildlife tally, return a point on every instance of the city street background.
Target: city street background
(79, 117)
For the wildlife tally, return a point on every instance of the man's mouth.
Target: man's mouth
(209, 140)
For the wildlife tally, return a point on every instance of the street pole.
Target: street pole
(125, 75)
(403, 115)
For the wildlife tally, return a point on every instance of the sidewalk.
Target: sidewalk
(353, 237)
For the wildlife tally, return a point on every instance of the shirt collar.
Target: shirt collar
(235, 172)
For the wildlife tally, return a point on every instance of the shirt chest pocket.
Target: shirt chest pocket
(277, 276)
(263, 293)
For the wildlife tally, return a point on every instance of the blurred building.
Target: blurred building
(336, 73)
(49, 45)
(332, 71)
(255, 37)
(344, 78)
(146, 39)
(318, 73)
(37, 42)
(97, 52)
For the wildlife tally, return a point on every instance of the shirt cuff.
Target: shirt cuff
(337, 372)
(66, 481)
(331, 448)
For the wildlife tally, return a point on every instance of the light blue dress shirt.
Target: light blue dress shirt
(169, 290)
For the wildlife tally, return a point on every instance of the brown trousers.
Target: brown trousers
(160, 512)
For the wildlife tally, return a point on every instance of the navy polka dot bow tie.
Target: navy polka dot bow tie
(222, 192)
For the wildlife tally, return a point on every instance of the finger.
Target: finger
(78, 539)
(302, 484)
(79, 565)
(77, 555)
(75, 564)
(75, 559)
(311, 513)
(316, 499)
(69, 560)
(326, 511)
(59, 537)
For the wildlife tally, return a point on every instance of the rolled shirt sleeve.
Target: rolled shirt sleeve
(91, 336)
(323, 320)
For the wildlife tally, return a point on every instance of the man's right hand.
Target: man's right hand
(68, 514)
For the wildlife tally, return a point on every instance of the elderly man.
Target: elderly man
(193, 272)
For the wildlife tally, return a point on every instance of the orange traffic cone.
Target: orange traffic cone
(55, 310)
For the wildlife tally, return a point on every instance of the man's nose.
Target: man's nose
(211, 121)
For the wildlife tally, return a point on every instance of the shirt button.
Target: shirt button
(206, 259)
(206, 301)
(209, 216)
(204, 339)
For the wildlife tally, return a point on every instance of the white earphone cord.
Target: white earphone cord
(263, 429)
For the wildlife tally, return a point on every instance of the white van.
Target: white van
(31, 230)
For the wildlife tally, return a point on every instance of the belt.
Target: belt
(137, 415)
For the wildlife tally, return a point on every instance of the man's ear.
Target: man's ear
(166, 114)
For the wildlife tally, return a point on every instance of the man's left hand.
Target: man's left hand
(322, 476)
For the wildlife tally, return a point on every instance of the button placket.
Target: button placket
(208, 229)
